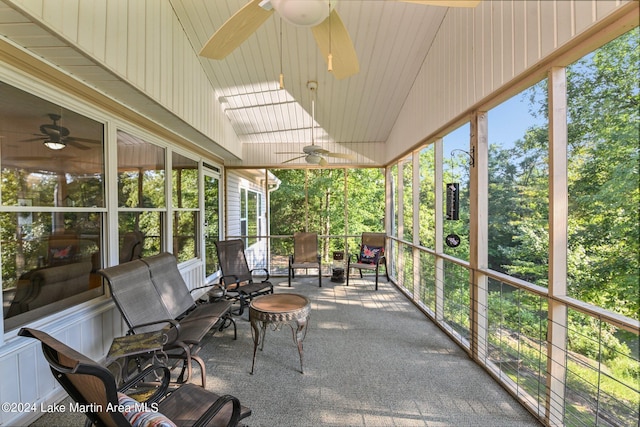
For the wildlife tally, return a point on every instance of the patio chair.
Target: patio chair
(144, 310)
(370, 256)
(176, 295)
(237, 279)
(305, 254)
(94, 388)
(132, 245)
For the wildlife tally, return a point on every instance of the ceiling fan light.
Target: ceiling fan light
(53, 145)
(304, 13)
(314, 159)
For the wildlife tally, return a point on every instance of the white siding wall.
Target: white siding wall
(478, 52)
(236, 180)
(232, 191)
(142, 42)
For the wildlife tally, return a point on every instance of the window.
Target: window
(250, 208)
(186, 204)
(141, 192)
(211, 220)
(52, 207)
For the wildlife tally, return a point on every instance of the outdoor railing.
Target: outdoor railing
(596, 365)
(590, 377)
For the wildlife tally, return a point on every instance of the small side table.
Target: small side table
(337, 271)
(277, 310)
(337, 275)
(122, 348)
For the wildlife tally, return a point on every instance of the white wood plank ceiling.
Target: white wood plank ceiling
(391, 40)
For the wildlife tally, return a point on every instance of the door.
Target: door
(211, 222)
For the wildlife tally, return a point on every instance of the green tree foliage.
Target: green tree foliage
(314, 200)
(603, 176)
(519, 208)
(604, 231)
(427, 196)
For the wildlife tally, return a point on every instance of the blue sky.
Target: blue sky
(507, 122)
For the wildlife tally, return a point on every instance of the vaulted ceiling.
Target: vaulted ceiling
(352, 115)
(391, 40)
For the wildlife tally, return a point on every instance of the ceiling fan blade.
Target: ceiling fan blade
(341, 156)
(26, 158)
(295, 158)
(287, 152)
(90, 141)
(345, 60)
(445, 3)
(77, 144)
(323, 162)
(41, 138)
(236, 30)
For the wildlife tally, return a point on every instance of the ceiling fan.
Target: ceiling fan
(57, 137)
(331, 35)
(313, 154)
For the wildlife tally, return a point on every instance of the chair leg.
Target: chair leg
(185, 357)
(243, 303)
(319, 277)
(227, 321)
(347, 273)
(203, 370)
(290, 275)
(377, 278)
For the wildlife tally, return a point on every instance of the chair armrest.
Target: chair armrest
(266, 272)
(204, 287)
(216, 407)
(174, 324)
(161, 390)
(225, 285)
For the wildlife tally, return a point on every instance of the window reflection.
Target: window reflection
(149, 224)
(141, 197)
(141, 173)
(186, 204)
(43, 266)
(212, 222)
(52, 206)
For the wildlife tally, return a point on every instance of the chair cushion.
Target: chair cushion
(370, 254)
(142, 415)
